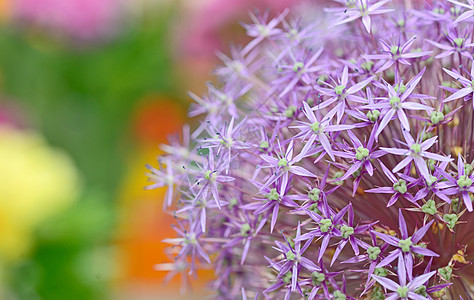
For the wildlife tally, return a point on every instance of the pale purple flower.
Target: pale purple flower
(467, 14)
(363, 9)
(468, 84)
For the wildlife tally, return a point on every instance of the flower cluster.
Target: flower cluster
(334, 159)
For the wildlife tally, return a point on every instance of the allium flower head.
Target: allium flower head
(334, 159)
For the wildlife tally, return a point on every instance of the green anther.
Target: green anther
(468, 169)
(367, 65)
(459, 42)
(400, 186)
(451, 219)
(273, 195)
(317, 278)
(232, 203)
(436, 117)
(454, 203)
(325, 224)
(373, 252)
(283, 162)
(314, 208)
(362, 153)
(290, 111)
(416, 148)
(245, 230)
(338, 295)
(287, 277)
(405, 244)
(346, 231)
(421, 290)
(394, 101)
(401, 23)
(394, 50)
(464, 181)
(429, 207)
(314, 194)
(290, 255)
(446, 273)
(339, 89)
(402, 291)
(337, 175)
(264, 146)
(400, 88)
(382, 272)
(378, 293)
(373, 115)
(315, 127)
(298, 66)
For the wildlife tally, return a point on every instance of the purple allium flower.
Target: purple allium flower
(323, 168)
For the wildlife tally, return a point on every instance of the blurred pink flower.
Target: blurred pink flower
(80, 19)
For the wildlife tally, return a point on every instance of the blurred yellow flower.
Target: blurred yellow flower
(36, 182)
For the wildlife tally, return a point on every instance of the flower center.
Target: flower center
(373, 252)
(361, 153)
(373, 115)
(317, 278)
(339, 89)
(394, 50)
(298, 66)
(464, 181)
(436, 117)
(210, 175)
(429, 207)
(347, 231)
(245, 230)
(400, 186)
(264, 146)
(416, 148)
(273, 195)
(325, 224)
(314, 194)
(290, 255)
(394, 101)
(315, 127)
(283, 162)
(458, 42)
(451, 219)
(405, 244)
(402, 291)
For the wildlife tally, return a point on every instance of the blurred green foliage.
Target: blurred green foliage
(81, 100)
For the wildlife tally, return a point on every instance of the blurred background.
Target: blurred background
(88, 91)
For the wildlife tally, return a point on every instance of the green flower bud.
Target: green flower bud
(287, 277)
(429, 207)
(378, 293)
(446, 273)
(373, 252)
(451, 219)
(338, 295)
(325, 224)
(405, 244)
(464, 181)
(436, 117)
(468, 169)
(346, 231)
(373, 115)
(361, 153)
(314, 194)
(245, 230)
(421, 290)
(339, 89)
(400, 186)
(394, 101)
(337, 175)
(402, 291)
(400, 88)
(317, 278)
(290, 111)
(314, 208)
(382, 272)
(273, 195)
